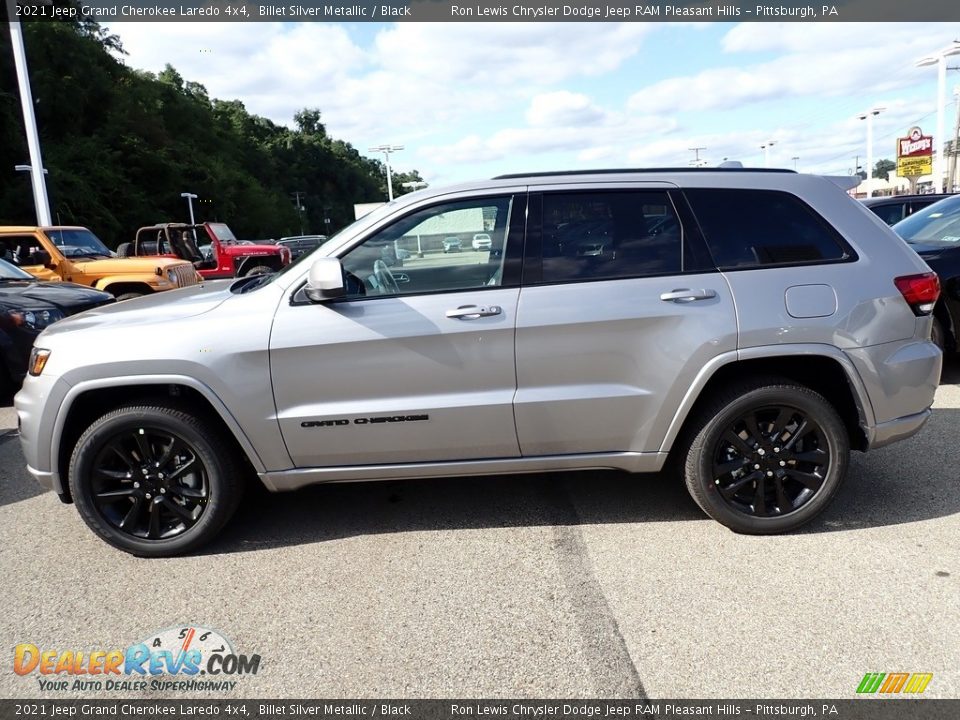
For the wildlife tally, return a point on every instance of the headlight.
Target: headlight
(33, 319)
(172, 276)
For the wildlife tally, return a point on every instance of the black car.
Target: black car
(934, 232)
(301, 244)
(27, 306)
(894, 208)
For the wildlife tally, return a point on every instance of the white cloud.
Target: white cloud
(563, 108)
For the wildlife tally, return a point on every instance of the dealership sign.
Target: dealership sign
(915, 154)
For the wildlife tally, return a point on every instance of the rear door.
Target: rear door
(620, 308)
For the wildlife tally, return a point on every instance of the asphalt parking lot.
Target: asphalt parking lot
(558, 585)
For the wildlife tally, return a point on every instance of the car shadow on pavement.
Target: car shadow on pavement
(950, 375)
(908, 482)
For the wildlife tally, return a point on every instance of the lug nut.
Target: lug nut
(160, 475)
(148, 496)
(136, 485)
(761, 452)
(776, 449)
(783, 463)
(756, 466)
(162, 490)
(769, 473)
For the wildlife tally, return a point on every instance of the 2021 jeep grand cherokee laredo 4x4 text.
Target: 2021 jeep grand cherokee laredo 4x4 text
(748, 328)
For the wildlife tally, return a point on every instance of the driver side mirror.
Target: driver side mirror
(325, 280)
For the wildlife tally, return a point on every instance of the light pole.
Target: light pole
(795, 158)
(869, 116)
(697, 161)
(416, 185)
(386, 150)
(190, 198)
(40, 201)
(939, 59)
(766, 151)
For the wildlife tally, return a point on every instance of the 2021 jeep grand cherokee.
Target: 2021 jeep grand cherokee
(748, 328)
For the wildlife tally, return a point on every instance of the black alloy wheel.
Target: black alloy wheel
(771, 461)
(156, 480)
(149, 483)
(765, 456)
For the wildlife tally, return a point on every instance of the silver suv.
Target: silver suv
(744, 328)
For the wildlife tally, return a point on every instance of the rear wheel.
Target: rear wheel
(155, 480)
(766, 456)
(129, 296)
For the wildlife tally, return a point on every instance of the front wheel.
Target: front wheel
(154, 480)
(766, 456)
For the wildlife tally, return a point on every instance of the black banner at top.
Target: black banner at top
(111, 11)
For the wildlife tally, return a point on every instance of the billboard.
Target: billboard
(915, 154)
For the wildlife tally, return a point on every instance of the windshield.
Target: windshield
(12, 272)
(78, 243)
(223, 232)
(937, 225)
(356, 227)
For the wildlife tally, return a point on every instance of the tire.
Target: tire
(167, 514)
(258, 270)
(775, 480)
(129, 296)
(937, 335)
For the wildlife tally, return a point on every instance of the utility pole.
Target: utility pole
(952, 180)
(300, 207)
(697, 162)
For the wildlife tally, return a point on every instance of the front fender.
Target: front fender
(151, 282)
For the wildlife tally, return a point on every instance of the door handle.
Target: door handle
(401, 277)
(685, 295)
(472, 312)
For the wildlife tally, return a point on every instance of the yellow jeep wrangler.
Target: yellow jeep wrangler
(75, 254)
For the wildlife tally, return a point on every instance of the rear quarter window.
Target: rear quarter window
(763, 228)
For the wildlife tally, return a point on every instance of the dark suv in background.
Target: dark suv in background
(894, 208)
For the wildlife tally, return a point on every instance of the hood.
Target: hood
(158, 308)
(232, 249)
(119, 266)
(67, 297)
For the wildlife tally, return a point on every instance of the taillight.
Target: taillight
(920, 291)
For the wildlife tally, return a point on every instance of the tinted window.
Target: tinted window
(609, 235)
(890, 214)
(937, 224)
(755, 228)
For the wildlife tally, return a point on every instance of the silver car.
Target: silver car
(745, 329)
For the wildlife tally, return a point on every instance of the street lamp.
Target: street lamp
(869, 116)
(417, 185)
(40, 201)
(386, 150)
(795, 158)
(766, 151)
(939, 59)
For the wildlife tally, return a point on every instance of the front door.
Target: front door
(417, 362)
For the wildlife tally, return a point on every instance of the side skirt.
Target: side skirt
(629, 461)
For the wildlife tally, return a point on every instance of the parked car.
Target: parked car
(221, 256)
(28, 306)
(934, 232)
(894, 208)
(750, 343)
(481, 241)
(452, 244)
(77, 255)
(302, 244)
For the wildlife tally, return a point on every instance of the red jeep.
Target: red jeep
(212, 248)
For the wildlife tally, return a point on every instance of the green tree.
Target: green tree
(882, 169)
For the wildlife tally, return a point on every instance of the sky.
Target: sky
(474, 100)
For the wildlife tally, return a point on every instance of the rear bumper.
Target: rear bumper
(893, 430)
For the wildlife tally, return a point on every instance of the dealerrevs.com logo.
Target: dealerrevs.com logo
(188, 659)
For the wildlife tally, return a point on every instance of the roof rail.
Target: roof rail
(619, 171)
